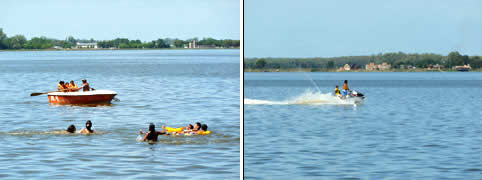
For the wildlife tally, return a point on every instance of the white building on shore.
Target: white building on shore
(193, 45)
(380, 67)
(86, 45)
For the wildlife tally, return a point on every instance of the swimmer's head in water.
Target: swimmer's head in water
(189, 127)
(88, 124)
(197, 126)
(204, 127)
(71, 129)
(152, 127)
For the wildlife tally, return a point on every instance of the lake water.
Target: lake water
(172, 87)
(410, 126)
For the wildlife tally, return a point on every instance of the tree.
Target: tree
(260, 63)
(465, 59)
(71, 40)
(148, 45)
(39, 43)
(476, 62)
(124, 45)
(179, 43)
(15, 42)
(330, 65)
(160, 43)
(3, 36)
(454, 59)
(67, 44)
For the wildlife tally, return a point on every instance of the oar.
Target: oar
(36, 94)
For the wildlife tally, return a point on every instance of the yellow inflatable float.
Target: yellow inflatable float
(204, 133)
(177, 130)
(181, 129)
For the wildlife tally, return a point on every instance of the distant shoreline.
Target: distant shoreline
(357, 70)
(100, 49)
(382, 62)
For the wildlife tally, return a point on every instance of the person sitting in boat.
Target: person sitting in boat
(62, 87)
(68, 86)
(73, 87)
(345, 88)
(204, 128)
(88, 128)
(337, 91)
(152, 134)
(71, 129)
(85, 86)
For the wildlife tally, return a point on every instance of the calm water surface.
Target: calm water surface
(411, 126)
(172, 87)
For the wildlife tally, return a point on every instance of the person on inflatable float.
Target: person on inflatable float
(188, 129)
(204, 129)
(197, 127)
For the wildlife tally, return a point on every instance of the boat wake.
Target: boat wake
(307, 98)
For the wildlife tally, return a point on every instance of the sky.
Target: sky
(109, 19)
(325, 28)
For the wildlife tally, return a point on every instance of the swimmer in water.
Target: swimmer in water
(152, 134)
(87, 129)
(188, 128)
(70, 130)
(204, 128)
(197, 127)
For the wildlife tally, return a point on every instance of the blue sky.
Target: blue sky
(319, 28)
(108, 19)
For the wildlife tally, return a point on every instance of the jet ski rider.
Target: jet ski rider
(337, 91)
(345, 88)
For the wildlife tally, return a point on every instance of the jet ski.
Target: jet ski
(354, 96)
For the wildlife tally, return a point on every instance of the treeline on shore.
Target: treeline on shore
(168, 43)
(20, 42)
(396, 60)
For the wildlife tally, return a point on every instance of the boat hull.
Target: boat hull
(101, 96)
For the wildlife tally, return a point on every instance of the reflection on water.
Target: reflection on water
(174, 88)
